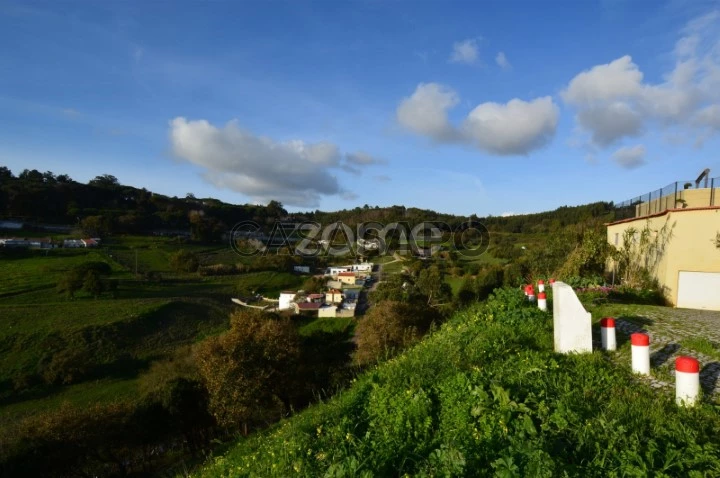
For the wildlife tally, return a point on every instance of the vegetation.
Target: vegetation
(498, 403)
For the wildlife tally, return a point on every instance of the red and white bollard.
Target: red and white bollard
(542, 301)
(607, 333)
(530, 293)
(552, 281)
(687, 381)
(640, 353)
(541, 285)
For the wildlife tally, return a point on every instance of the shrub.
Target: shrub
(184, 261)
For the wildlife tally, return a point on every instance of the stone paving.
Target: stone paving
(667, 328)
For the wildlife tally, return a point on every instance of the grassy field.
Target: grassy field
(121, 333)
(487, 396)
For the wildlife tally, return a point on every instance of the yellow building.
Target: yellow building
(684, 256)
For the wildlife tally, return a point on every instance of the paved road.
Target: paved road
(668, 328)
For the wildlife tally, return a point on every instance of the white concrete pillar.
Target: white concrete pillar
(541, 285)
(640, 344)
(607, 333)
(687, 381)
(572, 324)
(542, 301)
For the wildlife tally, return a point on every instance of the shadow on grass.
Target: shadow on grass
(709, 376)
(661, 356)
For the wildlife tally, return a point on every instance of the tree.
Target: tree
(105, 180)
(92, 284)
(431, 284)
(314, 285)
(248, 369)
(70, 283)
(389, 327)
(184, 261)
(95, 226)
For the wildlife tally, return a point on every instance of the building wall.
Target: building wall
(691, 247)
(347, 279)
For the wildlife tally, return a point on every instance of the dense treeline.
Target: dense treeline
(104, 206)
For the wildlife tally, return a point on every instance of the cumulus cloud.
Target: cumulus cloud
(513, 128)
(465, 51)
(294, 172)
(630, 157)
(425, 111)
(502, 61)
(516, 127)
(613, 100)
(608, 123)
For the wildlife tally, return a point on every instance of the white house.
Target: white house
(286, 298)
(339, 269)
(364, 267)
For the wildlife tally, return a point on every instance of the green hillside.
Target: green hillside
(486, 396)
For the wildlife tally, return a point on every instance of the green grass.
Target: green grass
(327, 324)
(80, 395)
(487, 396)
(38, 270)
(702, 345)
(455, 283)
(143, 322)
(269, 283)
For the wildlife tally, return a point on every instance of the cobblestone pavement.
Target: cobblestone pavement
(668, 328)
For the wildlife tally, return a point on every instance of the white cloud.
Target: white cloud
(513, 128)
(516, 127)
(614, 102)
(609, 123)
(465, 51)
(630, 157)
(502, 61)
(293, 172)
(616, 80)
(425, 112)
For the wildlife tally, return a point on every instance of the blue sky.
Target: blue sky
(461, 107)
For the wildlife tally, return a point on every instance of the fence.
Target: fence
(677, 195)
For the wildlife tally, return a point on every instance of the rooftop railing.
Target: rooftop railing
(677, 195)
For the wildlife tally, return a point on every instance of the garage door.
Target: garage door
(699, 290)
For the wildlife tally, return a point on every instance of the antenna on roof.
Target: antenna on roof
(705, 174)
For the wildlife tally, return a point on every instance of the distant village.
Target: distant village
(47, 243)
(343, 286)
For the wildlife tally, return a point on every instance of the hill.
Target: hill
(486, 396)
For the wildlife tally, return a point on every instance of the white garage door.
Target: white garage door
(699, 290)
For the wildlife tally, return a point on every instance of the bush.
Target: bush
(217, 270)
(389, 327)
(184, 261)
(247, 370)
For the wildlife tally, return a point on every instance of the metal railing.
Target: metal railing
(677, 195)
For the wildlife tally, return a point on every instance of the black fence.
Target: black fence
(675, 195)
